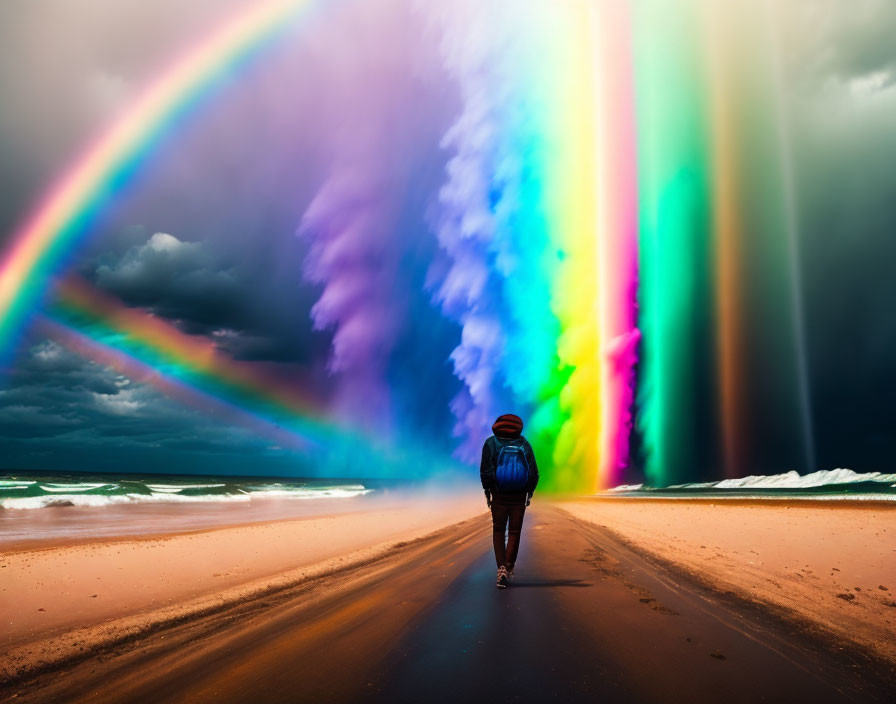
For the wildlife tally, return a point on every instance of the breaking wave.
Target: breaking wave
(831, 483)
(44, 492)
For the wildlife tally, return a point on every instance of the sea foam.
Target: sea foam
(795, 480)
(17, 493)
(65, 488)
(792, 481)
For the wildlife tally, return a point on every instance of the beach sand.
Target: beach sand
(830, 562)
(615, 599)
(60, 593)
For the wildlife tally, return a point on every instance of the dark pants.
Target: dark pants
(507, 515)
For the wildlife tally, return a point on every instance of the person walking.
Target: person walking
(509, 475)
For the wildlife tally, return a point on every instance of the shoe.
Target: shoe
(510, 575)
(502, 578)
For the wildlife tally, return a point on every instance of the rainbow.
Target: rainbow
(675, 236)
(594, 198)
(45, 238)
(168, 382)
(187, 358)
(713, 234)
(549, 327)
(192, 369)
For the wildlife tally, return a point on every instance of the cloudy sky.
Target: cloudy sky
(841, 99)
(220, 231)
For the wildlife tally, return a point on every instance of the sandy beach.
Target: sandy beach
(832, 563)
(621, 599)
(61, 593)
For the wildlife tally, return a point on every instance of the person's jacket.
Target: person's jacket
(489, 464)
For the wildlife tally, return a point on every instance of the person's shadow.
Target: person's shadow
(549, 583)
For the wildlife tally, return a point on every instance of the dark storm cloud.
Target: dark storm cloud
(860, 35)
(23, 422)
(831, 40)
(840, 96)
(203, 291)
(57, 399)
(177, 280)
(54, 393)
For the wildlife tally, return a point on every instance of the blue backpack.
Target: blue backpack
(512, 473)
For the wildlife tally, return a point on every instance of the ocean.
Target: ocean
(34, 490)
(833, 484)
(45, 507)
(54, 507)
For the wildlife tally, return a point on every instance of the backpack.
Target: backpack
(512, 471)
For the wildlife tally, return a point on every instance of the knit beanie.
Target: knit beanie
(508, 425)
